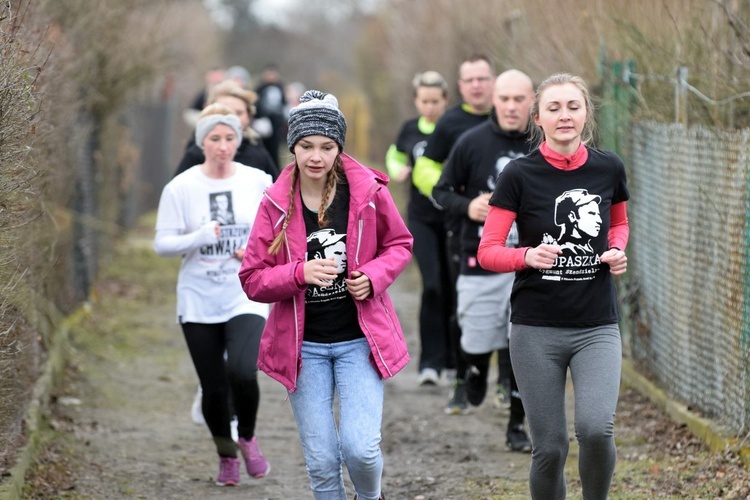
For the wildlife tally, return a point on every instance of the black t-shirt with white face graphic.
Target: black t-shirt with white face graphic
(570, 209)
(330, 313)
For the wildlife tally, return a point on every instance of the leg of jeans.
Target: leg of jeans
(429, 254)
(540, 364)
(360, 391)
(243, 340)
(595, 370)
(312, 404)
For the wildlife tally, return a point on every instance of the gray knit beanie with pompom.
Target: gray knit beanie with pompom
(317, 114)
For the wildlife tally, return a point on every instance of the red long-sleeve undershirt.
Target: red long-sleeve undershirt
(493, 255)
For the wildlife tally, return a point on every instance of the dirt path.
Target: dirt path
(124, 429)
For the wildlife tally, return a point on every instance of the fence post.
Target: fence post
(607, 126)
(681, 96)
(617, 99)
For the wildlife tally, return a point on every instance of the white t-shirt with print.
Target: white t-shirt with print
(208, 287)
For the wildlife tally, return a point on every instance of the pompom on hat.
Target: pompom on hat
(317, 114)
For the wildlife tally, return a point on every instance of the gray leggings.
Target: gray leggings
(541, 357)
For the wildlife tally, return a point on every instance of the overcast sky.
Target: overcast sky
(268, 11)
(271, 11)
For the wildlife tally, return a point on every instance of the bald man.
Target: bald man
(483, 297)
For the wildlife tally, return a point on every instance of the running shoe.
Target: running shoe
(476, 386)
(229, 471)
(233, 428)
(458, 404)
(196, 410)
(517, 440)
(502, 394)
(256, 464)
(428, 376)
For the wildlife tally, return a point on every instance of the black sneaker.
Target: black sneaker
(476, 386)
(457, 404)
(517, 440)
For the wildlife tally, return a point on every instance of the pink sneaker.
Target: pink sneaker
(256, 463)
(229, 471)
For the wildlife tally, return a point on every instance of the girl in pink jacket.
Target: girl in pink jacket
(327, 242)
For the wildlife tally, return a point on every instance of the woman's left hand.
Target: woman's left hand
(359, 286)
(617, 260)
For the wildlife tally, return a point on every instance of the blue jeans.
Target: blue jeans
(342, 368)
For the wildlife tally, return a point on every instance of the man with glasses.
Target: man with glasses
(475, 82)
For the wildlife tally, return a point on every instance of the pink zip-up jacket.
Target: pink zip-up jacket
(378, 244)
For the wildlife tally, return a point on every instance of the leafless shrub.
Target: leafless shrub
(68, 69)
(23, 53)
(540, 37)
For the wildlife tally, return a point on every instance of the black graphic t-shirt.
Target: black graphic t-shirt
(472, 169)
(570, 209)
(330, 313)
(449, 128)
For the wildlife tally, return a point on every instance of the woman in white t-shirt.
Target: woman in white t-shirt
(205, 216)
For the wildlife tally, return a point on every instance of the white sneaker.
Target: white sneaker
(428, 376)
(196, 410)
(233, 427)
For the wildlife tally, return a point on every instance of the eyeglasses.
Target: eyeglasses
(478, 79)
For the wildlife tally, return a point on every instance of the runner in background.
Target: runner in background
(425, 220)
(250, 151)
(475, 79)
(464, 189)
(271, 106)
(205, 216)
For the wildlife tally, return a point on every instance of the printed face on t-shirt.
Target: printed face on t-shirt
(337, 252)
(328, 244)
(589, 220)
(221, 207)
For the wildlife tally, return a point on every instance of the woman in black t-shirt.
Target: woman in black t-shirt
(425, 219)
(569, 203)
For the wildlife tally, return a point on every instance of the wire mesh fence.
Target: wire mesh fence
(689, 256)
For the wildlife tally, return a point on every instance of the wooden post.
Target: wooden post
(681, 97)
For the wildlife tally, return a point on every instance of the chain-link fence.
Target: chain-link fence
(689, 266)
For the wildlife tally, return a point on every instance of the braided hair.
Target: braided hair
(333, 177)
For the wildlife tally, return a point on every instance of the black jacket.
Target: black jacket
(252, 155)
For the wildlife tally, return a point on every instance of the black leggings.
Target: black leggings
(482, 363)
(435, 309)
(237, 375)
